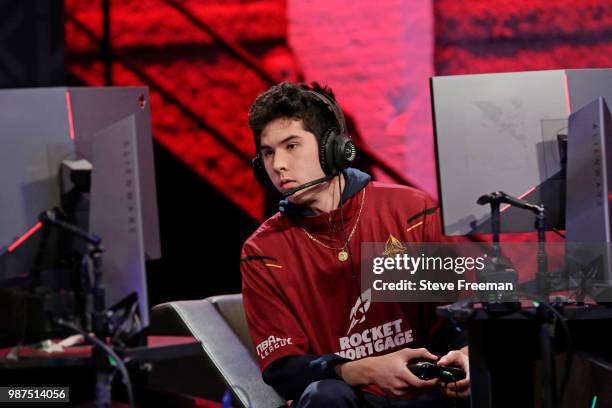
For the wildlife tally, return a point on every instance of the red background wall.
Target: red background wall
(378, 61)
(205, 62)
(377, 58)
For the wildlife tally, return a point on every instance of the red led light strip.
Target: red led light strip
(69, 108)
(505, 207)
(25, 236)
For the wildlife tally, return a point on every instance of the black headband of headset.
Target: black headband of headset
(332, 106)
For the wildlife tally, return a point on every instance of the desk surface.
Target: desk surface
(527, 311)
(158, 348)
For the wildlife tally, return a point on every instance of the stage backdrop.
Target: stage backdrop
(205, 62)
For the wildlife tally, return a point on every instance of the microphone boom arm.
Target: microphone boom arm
(301, 187)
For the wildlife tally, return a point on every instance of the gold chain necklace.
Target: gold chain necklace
(342, 255)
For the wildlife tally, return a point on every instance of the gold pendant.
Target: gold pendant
(342, 256)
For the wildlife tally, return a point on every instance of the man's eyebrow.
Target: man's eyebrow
(285, 140)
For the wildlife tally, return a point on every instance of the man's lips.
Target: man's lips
(288, 183)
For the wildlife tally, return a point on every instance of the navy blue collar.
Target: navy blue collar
(355, 181)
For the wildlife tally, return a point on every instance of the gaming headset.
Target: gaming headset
(336, 149)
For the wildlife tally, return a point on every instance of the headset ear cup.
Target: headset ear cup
(336, 152)
(260, 173)
(346, 153)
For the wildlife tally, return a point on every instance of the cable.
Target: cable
(97, 342)
(348, 246)
(344, 236)
(129, 319)
(566, 332)
(570, 352)
(456, 392)
(558, 232)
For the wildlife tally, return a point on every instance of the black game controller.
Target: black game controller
(426, 370)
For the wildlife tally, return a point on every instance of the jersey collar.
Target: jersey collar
(355, 181)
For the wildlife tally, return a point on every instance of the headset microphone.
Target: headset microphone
(294, 190)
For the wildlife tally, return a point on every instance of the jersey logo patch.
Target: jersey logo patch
(376, 339)
(393, 246)
(269, 345)
(358, 312)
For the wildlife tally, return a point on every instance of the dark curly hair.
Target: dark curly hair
(288, 100)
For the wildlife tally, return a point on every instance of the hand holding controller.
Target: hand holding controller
(426, 370)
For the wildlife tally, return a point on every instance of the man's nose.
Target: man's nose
(280, 161)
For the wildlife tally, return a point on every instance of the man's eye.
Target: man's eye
(267, 153)
(291, 146)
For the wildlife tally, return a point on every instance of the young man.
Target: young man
(319, 339)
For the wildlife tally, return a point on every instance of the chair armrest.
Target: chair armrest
(228, 355)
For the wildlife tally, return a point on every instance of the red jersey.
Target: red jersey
(299, 297)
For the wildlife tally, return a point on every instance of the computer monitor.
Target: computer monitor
(116, 211)
(34, 138)
(589, 188)
(110, 127)
(94, 109)
(501, 132)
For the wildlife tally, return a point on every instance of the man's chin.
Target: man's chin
(297, 198)
(301, 197)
